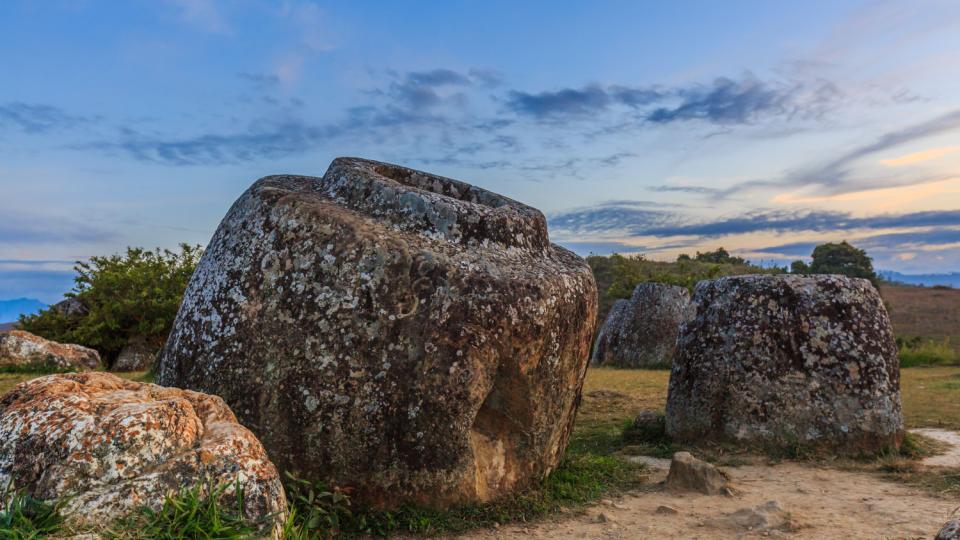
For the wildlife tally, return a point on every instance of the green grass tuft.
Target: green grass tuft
(24, 517)
(198, 512)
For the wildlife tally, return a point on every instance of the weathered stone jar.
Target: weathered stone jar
(405, 334)
(787, 361)
(642, 331)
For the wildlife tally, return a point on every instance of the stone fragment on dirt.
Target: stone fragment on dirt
(407, 335)
(666, 510)
(688, 473)
(765, 517)
(23, 350)
(788, 361)
(109, 446)
(950, 531)
(642, 331)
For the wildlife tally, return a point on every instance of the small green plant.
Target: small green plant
(24, 517)
(316, 511)
(198, 512)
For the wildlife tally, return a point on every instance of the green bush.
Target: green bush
(134, 294)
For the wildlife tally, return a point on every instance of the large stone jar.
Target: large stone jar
(642, 332)
(408, 335)
(787, 361)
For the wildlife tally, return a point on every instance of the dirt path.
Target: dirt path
(808, 503)
(950, 458)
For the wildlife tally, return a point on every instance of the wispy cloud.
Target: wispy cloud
(36, 118)
(623, 218)
(781, 221)
(838, 175)
(204, 14)
(725, 101)
(920, 157)
(20, 230)
(420, 90)
(636, 220)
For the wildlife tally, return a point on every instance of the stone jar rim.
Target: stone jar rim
(433, 205)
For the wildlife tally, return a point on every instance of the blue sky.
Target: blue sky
(764, 127)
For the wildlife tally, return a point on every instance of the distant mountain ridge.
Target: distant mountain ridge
(10, 310)
(951, 279)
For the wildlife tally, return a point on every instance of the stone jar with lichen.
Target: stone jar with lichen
(787, 362)
(409, 336)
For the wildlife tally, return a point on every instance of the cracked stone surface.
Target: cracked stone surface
(109, 446)
(642, 331)
(408, 335)
(787, 360)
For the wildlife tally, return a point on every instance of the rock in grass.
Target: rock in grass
(648, 426)
(408, 335)
(109, 446)
(23, 350)
(136, 355)
(642, 331)
(688, 473)
(950, 531)
(786, 362)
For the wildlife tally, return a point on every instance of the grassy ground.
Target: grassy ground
(611, 399)
(931, 396)
(926, 321)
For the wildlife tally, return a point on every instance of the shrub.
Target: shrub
(134, 294)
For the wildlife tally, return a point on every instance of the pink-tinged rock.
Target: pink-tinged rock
(110, 446)
(23, 349)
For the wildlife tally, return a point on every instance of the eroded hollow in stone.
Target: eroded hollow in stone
(440, 185)
(434, 205)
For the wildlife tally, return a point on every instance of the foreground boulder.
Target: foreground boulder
(787, 361)
(108, 446)
(642, 331)
(23, 350)
(381, 328)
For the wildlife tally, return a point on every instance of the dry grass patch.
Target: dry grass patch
(931, 397)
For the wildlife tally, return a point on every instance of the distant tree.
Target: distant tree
(799, 267)
(134, 294)
(844, 259)
(720, 256)
(683, 257)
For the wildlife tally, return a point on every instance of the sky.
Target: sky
(636, 127)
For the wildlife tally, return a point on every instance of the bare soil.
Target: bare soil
(808, 502)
